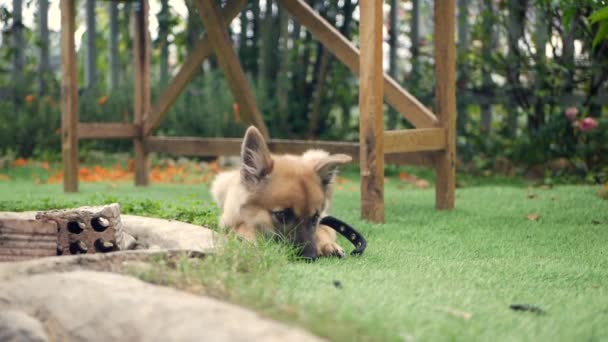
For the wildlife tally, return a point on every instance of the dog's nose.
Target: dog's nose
(309, 253)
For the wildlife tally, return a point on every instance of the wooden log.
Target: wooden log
(202, 50)
(141, 101)
(445, 101)
(412, 140)
(26, 238)
(404, 102)
(84, 230)
(229, 62)
(69, 98)
(371, 122)
(113, 130)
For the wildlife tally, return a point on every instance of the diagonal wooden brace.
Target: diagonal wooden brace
(202, 50)
(229, 62)
(404, 102)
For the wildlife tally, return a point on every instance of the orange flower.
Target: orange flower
(102, 100)
(20, 162)
(45, 165)
(30, 98)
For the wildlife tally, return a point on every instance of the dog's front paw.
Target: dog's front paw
(331, 249)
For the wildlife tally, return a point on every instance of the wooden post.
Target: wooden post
(445, 101)
(141, 102)
(69, 98)
(371, 122)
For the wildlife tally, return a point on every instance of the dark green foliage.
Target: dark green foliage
(521, 65)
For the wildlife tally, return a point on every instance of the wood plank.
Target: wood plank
(445, 98)
(371, 121)
(69, 98)
(229, 62)
(202, 50)
(211, 147)
(141, 100)
(110, 130)
(412, 140)
(404, 102)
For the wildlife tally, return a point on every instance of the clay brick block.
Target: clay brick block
(86, 229)
(22, 239)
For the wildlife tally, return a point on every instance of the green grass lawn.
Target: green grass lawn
(426, 275)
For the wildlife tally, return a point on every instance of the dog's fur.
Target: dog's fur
(280, 196)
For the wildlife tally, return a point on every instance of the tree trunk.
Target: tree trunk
(243, 39)
(126, 57)
(517, 12)
(463, 72)
(91, 51)
(489, 43)
(393, 115)
(283, 76)
(113, 49)
(44, 67)
(415, 38)
(163, 35)
(18, 47)
(255, 46)
(316, 117)
(266, 51)
(567, 58)
(537, 117)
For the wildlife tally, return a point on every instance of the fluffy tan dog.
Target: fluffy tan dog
(280, 196)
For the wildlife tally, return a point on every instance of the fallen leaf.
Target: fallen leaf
(458, 313)
(533, 217)
(531, 196)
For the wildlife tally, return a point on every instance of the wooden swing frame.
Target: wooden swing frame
(431, 143)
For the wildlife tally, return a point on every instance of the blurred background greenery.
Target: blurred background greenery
(532, 77)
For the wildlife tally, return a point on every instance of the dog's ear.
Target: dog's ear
(327, 167)
(255, 157)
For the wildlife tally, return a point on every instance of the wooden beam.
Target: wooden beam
(371, 121)
(404, 102)
(229, 62)
(202, 50)
(232, 146)
(211, 147)
(111, 130)
(69, 98)
(445, 98)
(412, 140)
(141, 101)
